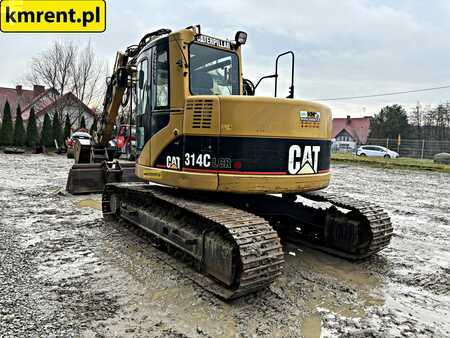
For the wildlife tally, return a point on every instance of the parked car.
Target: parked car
(442, 158)
(374, 151)
(70, 142)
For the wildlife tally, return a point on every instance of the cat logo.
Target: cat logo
(303, 163)
(173, 162)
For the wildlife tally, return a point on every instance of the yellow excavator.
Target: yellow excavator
(233, 174)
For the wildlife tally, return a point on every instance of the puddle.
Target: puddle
(353, 290)
(344, 271)
(311, 327)
(190, 310)
(89, 203)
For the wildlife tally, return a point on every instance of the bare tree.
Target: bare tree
(52, 67)
(68, 68)
(86, 72)
(416, 120)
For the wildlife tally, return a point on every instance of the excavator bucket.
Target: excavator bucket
(90, 178)
(94, 168)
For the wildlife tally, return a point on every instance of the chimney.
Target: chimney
(37, 90)
(349, 120)
(19, 90)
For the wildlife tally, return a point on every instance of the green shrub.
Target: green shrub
(46, 133)
(67, 127)
(19, 129)
(94, 126)
(32, 137)
(7, 131)
(57, 132)
(83, 122)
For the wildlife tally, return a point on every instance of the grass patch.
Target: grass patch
(402, 162)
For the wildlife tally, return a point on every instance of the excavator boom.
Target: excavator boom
(94, 166)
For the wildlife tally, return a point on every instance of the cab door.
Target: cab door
(153, 100)
(160, 100)
(143, 111)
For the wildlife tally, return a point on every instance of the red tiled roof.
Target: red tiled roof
(68, 97)
(357, 127)
(11, 95)
(40, 101)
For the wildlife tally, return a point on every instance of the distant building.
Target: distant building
(45, 101)
(349, 132)
(23, 97)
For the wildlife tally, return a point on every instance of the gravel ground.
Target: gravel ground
(65, 273)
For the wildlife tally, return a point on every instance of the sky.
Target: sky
(343, 48)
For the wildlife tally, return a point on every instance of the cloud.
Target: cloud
(348, 47)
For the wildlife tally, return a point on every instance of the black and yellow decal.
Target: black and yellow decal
(246, 155)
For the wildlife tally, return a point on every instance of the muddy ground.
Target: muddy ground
(64, 272)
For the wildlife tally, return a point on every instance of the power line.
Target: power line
(383, 94)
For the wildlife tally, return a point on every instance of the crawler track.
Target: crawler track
(376, 221)
(249, 247)
(357, 232)
(230, 241)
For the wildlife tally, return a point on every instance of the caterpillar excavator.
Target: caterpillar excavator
(232, 175)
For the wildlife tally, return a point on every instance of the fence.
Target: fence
(413, 148)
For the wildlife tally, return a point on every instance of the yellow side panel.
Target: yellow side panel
(178, 73)
(144, 157)
(272, 117)
(269, 184)
(202, 115)
(243, 184)
(180, 179)
(161, 139)
(165, 136)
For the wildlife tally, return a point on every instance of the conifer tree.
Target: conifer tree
(57, 132)
(19, 129)
(6, 133)
(67, 127)
(83, 122)
(94, 126)
(32, 131)
(46, 134)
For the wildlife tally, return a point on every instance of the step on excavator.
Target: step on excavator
(232, 175)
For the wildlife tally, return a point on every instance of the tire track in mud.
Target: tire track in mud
(64, 272)
(48, 274)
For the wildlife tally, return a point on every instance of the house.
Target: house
(19, 96)
(349, 132)
(45, 101)
(63, 104)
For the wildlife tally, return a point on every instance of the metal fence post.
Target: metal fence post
(423, 146)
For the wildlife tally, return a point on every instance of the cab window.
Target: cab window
(161, 77)
(142, 87)
(213, 71)
(160, 115)
(142, 100)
